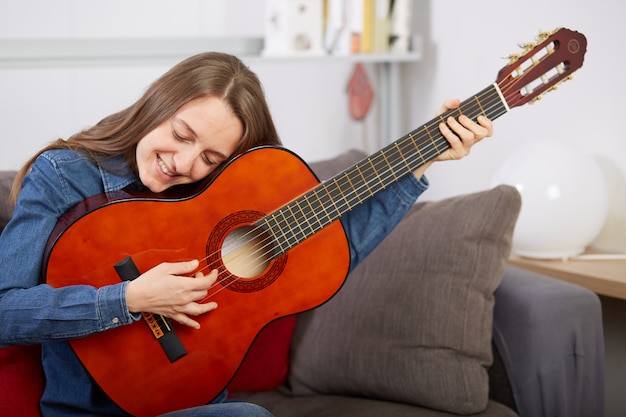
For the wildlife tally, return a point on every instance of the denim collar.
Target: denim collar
(120, 179)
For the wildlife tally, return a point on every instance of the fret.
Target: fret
(306, 218)
(358, 169)
(479, 105)
(329, 204)
(343, 196)
(378, 182)
(376, 171)
(270, 223)
(329, 201)
(416, 146)
(347, 177)
(393, 172)
(288, 231)
(313, 213)
(278, 233)
(321, 203)
(433, 141)
(402, 158)
(297, 225)
(333, 202)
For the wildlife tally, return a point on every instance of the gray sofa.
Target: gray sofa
(434, 323)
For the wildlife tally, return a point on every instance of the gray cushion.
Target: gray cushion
(413, 322)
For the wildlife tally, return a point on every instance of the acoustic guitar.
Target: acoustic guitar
(270, 229)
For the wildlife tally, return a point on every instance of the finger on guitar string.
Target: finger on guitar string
(479, 129)
(462, 132)
(457, 146)
(191, 309)
(162, 288)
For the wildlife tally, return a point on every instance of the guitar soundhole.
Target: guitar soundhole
(245, 252)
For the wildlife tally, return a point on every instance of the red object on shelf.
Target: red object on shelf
(360, 93)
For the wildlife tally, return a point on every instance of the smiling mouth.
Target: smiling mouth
(163, 167)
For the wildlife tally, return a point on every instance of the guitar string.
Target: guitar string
(369, 160)
(431, 151)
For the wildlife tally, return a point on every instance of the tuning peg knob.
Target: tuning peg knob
(543, 35)
(528, 46)
(514, 57)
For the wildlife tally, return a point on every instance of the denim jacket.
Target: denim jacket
(37, 313)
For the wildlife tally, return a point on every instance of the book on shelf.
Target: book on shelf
(400, 30)
(337, 27)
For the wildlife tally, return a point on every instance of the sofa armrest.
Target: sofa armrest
(550, 337)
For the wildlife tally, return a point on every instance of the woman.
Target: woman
(201, 113)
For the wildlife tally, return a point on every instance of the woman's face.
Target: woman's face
(188, 146)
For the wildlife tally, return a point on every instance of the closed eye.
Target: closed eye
(206, 156)
(179, 137)
(208, 160)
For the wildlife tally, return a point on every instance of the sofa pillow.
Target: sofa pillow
(413, 322)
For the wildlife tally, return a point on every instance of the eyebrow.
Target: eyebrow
(195, 135)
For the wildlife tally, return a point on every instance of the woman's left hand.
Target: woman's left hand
(462, 133)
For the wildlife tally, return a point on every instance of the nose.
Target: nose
(185, 160)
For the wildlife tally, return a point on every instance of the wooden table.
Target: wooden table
(602, 276)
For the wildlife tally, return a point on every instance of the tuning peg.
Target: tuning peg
(528, 46)
(514, 57)
(543, 35)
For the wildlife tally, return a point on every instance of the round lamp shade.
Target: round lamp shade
(564, 199)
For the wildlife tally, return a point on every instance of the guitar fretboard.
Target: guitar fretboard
(319, 207)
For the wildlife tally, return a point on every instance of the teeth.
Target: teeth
(164, 168)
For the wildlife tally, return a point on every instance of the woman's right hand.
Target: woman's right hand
(165, 290)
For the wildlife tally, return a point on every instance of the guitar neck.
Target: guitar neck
(316, 209)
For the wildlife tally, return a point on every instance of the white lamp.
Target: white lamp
(564, 199)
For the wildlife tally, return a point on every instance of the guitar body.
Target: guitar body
(128, 362)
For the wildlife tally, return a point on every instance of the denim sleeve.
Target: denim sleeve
(368, 224)
(33, 312)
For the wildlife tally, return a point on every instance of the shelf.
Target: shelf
(68, 52)
(412, 56)
(606, 277)
(99, 52)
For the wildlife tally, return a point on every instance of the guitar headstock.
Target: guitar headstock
(542, 65)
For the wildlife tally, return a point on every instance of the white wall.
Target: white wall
(465, 43)
(39, 104)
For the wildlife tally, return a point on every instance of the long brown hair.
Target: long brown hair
(206, 74)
